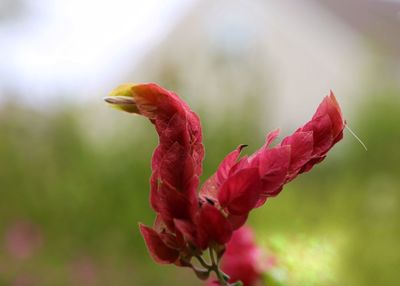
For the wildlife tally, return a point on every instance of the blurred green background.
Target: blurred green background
(74, 173)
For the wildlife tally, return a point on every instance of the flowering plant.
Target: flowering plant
(190, 222)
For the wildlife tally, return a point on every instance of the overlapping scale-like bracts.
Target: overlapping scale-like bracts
(176, 166)
(176, 162)
(238, 186)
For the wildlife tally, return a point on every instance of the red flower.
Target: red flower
(239, 186)
(176, 166)
(189, 222)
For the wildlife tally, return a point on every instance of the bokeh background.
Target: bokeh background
(74, 173)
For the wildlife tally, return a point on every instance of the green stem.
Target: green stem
(216, 269)
(203, 262)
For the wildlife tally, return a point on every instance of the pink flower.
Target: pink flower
(84, 271)
(188, 221)
(243, 260)
(23, 239)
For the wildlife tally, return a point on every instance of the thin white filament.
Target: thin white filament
(355, 136)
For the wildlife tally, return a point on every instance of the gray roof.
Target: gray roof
(378, 21)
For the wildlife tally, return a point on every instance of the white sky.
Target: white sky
(79, 47)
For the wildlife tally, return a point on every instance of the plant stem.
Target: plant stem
(203, 262)
(216, 269)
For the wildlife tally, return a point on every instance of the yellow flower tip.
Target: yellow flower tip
(124, 89)
(122, 98)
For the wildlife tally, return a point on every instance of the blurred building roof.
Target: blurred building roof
(379, 21)
(282, 55)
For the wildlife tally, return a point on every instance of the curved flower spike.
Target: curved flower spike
(177, 160)
(176, 165)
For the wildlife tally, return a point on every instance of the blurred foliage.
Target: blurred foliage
(337, 225)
